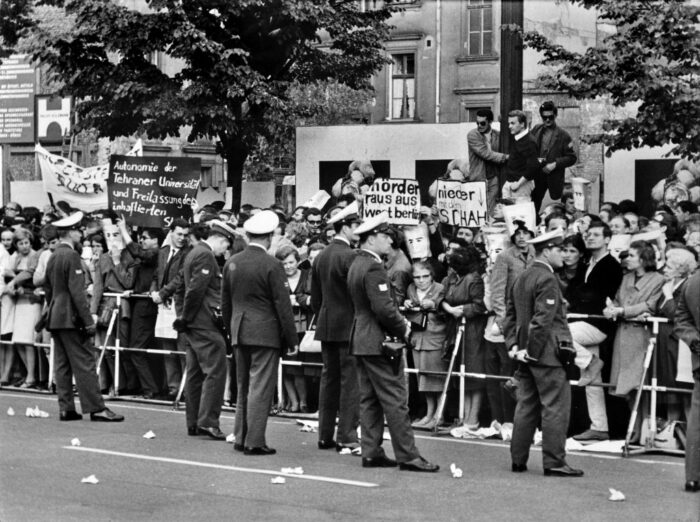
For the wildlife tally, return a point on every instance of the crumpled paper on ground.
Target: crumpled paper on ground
(293, 471)
(75, 442)
(537, 440)
(10, 411)
(615, 495)
(230, 438)
(92, 479)
(35, 412)
(278, 480)
(308, 426)
(149, 435)
(351, 451)
(495, 430)
(456, 472)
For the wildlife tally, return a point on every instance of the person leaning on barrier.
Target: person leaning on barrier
(330, 301)
(535, 329)
(201, 323)
(257, 309)
(69, 321)
(687, 328)
(382, 385)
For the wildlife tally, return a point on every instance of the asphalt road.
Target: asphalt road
(175, 477)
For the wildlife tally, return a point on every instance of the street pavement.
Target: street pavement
(175, 477)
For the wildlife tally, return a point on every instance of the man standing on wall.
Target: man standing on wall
(485, 160)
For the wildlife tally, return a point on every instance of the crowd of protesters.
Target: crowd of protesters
(458, 279)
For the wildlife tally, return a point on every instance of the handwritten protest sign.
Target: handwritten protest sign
(462, 204)
(153, 191)
(399, 197)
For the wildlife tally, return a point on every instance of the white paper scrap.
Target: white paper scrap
(346, 451)
(230, 438)
(10, 411)
(615, 495)
(92, 479)
(456, 472)
(278, 480)
(293, 471)
(149, 435)
(75, 442)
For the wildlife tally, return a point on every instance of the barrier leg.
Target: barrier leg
(445, 387)
(50, 382)
(176, 402)
(280, 386)
(638, 397)
(103, 349)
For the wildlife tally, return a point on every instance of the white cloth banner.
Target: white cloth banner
(84, 188)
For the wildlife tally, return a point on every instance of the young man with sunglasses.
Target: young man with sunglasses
(485, 160)
(555, 153)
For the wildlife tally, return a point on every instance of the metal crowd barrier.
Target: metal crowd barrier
(461, 374)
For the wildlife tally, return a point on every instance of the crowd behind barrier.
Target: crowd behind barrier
(441, 274)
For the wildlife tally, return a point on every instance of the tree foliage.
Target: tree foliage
(652, 59)
(240, 62)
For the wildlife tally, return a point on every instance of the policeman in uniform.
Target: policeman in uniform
(338, 395)
(206, 347)
(72, 328)
(382, 389)
(255, 303)
(534, 327)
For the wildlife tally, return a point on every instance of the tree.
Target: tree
(651, 60)
(240, 60)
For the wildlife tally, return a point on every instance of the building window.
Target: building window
(403, 87)
(480, 23)
(471, 112)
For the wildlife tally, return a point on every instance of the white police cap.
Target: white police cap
(264, 222)
(548, 239)
(70, 222)
(378, 223)
(222, 228)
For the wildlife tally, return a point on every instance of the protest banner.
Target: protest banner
(582, 193)
(318, 200)
(462, 204)
(524, 212)
(153, 191)
(400, 198)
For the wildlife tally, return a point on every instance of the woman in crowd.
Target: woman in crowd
(294, 380)
(574, 269)
(27, 307)
(637, 296)
(464, 299)
(680, 263)
(423, 300)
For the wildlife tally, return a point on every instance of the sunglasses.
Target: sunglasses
(313, 222)
(482, 123)
(421, 277)
(548, 118)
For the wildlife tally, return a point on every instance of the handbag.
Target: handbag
(164, 322)
(392, 350)
(308, 343)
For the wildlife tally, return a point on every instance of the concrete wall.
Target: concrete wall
(620, 177)
(402, 145)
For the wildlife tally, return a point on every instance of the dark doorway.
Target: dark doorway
(648, 173)
(428, 171)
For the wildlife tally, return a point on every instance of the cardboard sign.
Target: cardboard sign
(462, 204)
(400, 198)
(524, 212)
(581, 188)
(496, 240)
(153, 191)
(318, 200)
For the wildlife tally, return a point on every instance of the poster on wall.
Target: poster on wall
(17, 89)
(400, 198)
(462, 204)
(152, 191)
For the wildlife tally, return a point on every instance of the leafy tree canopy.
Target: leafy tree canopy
(651, 59)
(238, 62)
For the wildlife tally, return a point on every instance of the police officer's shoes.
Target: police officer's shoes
(262, 450)
(69, 415)
(419, 464)
(692, 486)
(378, 462)
(518, 468)
(106, 415)
(214, 433)
(563, 471)
(326, 444)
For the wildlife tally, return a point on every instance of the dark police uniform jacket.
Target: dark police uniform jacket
(330, 300)
(65, 291)
(376, 314)
(536, 316)
(255, 301)
(202, 278)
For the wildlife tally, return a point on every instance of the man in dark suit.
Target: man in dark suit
(206, 347)
(555, 150)
(255, 303)
(485, 161)
(534, 327)
(332, 306)
(72, 328)
(382, 387)
(687, 328)
(166, 281)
